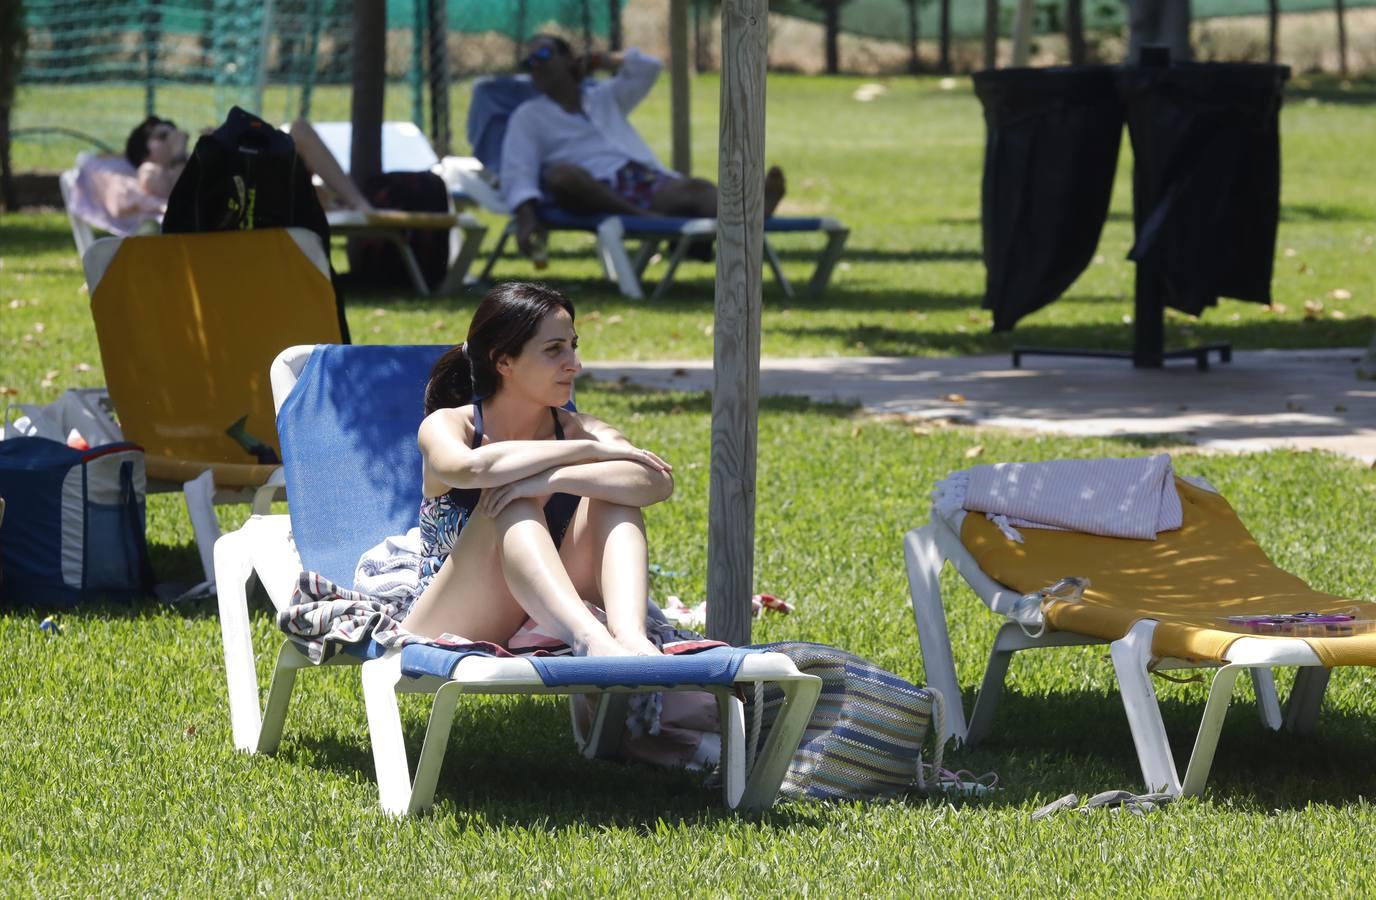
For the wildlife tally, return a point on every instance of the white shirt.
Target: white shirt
(600, 139)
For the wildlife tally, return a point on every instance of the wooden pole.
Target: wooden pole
(914, 34)
(679, 108)
(437, 19)
(370, 60)
(736, 357)
(1022, 32)
(944, 26)
(1075, 31)
(614, 38)
(1272, 30)
(991, 34)
(1340, 7)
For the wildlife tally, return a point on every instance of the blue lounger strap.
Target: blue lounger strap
(717, 666)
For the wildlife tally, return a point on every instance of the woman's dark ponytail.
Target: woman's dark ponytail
(507, 318)
(451, 380)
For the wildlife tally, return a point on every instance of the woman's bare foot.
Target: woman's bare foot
(774, 187)
(639, 645)
(600, 645)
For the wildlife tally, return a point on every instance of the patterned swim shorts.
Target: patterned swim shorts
(638, 183)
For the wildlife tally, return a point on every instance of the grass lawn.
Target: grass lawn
(119, 769)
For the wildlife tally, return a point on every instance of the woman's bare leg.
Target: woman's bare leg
(321, 161)
(501, 570)
(605, 553)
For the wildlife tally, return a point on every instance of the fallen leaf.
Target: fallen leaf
(1303, 267)
(947, 84)
(51, 374)
(1337, 314)
(974, 317)
(437, 325)
(1127, 319)
(1278, 308)
(1290, 251)
(190, 731)
(614, 320)
(974, 451)
(594, 315)
(82, 367)
(1340, 294)
(1312, 308)
(379, 311)
(708, 329)
(855, 432)
(39, 327)
(377, 329)
(954, 398)
(920, 431)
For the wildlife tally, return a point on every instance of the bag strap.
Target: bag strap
(141, 567)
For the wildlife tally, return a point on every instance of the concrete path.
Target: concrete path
(1263, 399)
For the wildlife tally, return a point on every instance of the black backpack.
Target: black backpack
(246, 175)
(376, 262)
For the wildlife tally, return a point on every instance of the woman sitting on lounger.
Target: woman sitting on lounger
(529, 509)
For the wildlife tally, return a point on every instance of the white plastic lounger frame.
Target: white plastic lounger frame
(263, 547)
(628, 273)
(929, 548)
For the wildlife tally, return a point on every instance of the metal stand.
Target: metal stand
(1149, 335)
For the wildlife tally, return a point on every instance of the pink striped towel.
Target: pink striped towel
(1127, 498)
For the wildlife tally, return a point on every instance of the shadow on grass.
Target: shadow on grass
(23, 240)
(916, 340)
(1079, 741)
(874, 254)
(513, 763)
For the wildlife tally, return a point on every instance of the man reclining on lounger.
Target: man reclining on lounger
(575, 145)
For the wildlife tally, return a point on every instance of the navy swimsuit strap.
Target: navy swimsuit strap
(478, 424)
(559, 509)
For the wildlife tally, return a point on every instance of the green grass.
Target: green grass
(119, 771)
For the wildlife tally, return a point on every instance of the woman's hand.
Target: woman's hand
(495, 499)
(646, 458)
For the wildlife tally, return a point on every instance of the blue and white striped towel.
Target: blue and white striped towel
(1127, 498)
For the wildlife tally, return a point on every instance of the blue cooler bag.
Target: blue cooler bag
(74, 523)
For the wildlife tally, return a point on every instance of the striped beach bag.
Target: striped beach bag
(867, 732)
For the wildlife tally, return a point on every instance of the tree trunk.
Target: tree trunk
(370, 60)
(833, 27)
(914, 32)
(991, 34)
(945, 26)
(1075, 31)
(1272, 30)
(1340, 7)
(9, 197)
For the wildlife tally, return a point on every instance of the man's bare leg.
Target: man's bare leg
(575, 190)
(694, 197)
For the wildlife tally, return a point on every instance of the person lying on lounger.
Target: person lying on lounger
(575, 145)
(529, 509)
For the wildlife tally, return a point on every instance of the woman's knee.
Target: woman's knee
(607, 515)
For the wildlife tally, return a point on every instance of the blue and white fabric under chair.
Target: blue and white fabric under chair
(494, 100)
(347, 419)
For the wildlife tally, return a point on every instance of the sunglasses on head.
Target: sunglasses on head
(539, 54)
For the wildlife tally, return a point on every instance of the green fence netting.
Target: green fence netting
(888, 19)
(95, 67)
